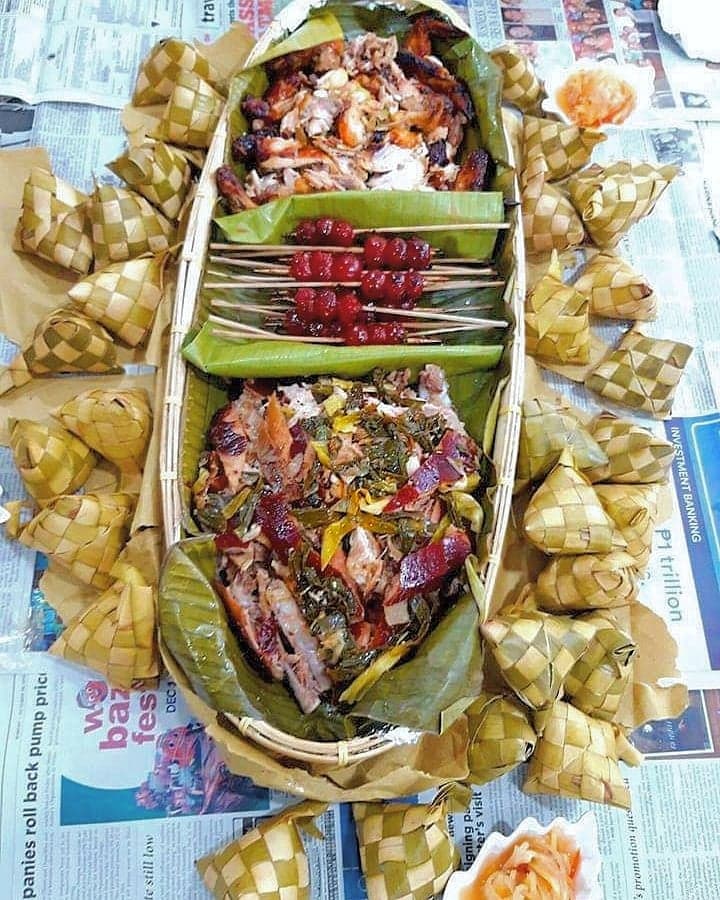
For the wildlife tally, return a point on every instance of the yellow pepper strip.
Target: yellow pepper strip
(321, 451)
(382, 664)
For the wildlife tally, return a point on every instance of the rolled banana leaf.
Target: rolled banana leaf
(426, 693)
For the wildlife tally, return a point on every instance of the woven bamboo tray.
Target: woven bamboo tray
(510, 262)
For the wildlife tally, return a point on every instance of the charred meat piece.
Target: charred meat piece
(318, 59)
(232, 191)
(281, 95)
(437, 77)
(255, 108)
(437, 154)
(244, 149)
(422, 31)
(474, 174)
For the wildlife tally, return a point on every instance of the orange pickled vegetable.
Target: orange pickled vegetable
(594, 97)
(533, 868)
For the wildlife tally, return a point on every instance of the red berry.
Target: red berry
(293, 323)
(414, 286)
(396, 254)
(346, 267)
(373, 284)
(326, 306)
(301, 266)
(305, 304)
(374, 251)
(350, 310)
(343, 234)
(324, 230)
(356, 335)
(396, 290)
(306, 232)
(419, 254)
(321, 265)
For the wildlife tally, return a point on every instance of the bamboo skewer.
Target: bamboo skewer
(252, 251)
(424, 314)
(429, 229)
(252, 283)
(233, 329)
(280, 268)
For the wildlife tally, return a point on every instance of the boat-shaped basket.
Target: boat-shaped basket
(190, 396)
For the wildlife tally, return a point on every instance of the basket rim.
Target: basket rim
(334, 753)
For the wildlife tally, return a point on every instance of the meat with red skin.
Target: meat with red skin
(224, 434)
(233, 193)
(281, 93)
(474, 174)
(277, 524)
(425, 569)
(453, 458)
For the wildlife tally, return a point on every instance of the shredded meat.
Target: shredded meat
(332, 113)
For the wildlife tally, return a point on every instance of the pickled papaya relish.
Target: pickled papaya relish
(594, 97)
(536, 867)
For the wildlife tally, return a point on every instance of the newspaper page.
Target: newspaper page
(555, 33)
(77, 50)
(117, 794)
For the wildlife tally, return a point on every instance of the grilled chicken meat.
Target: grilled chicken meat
(332, 117)
(474, 174)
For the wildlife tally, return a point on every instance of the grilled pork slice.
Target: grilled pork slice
(303, 667)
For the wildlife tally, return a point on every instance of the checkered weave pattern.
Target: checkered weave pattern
(597, 682)
(115, 635)
(612, 199)
(565, 148)
(557, 324)
(616, 290)
(267, 863)
(642, 373)
(123, 297)
(589, 581)
(124, 225)
(565, 516)
(547, 428)
(635, 455)
(501, 737)
(192, 113)
(159, 172)
(83, 533)
(51, 461)
(521, 86)
(535, 651)
(115, 423)
(549, 218)
(576, 756)
(406, 851)
(634, 509)
(53, 222)
(64, 342)
(162, 67)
